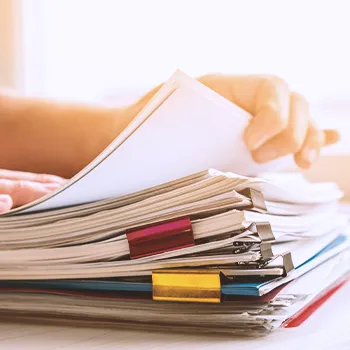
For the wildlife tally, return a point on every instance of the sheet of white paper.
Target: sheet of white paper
(302, 250)
(194, 129)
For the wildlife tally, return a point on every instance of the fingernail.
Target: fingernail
(3, 208)
(5, 198)
(5, 203)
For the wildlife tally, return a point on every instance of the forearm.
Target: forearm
(49, 137)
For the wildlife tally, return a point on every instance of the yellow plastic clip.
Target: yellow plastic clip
(201, 286)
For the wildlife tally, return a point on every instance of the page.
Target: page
(194, 129)
(185, 135)
(152, 105)
(333, 250)
(304, 250)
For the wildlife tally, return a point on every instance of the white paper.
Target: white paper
(193, 130)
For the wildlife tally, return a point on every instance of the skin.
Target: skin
(45, 137)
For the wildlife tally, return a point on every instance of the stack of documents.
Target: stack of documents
(149, 235)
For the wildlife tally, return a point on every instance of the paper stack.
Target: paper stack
(150, 236)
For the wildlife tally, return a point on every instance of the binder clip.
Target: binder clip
(266, 251)
(263, 229)
(160, 238)
(257, 199)
(201, 286)
(287, 262)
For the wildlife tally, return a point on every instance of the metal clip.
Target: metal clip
(287, 262)
(263, 229)
(257, 199)
(266, 251)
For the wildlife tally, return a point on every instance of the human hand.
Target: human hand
(20, 188)
(281, 122)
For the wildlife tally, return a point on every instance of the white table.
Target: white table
(328, 328)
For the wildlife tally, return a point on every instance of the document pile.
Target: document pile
(150, 236)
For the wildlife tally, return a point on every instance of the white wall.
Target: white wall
(92, 46)
(9, 54)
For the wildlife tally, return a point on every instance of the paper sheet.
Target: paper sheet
(194, 129)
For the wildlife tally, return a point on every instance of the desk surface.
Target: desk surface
(328, 328)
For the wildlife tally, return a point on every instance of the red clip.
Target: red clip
(160, 238)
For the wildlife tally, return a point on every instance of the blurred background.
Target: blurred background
(115, 50)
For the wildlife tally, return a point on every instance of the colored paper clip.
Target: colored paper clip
(257, 199)
(160, 238)
(201, 286)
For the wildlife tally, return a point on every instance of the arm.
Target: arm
(49, 137)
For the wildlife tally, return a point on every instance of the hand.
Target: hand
(281, 125)
(20, 188)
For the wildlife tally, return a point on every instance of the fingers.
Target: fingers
(272, 112)
(314, 141)
(282, 126)
(5, 203)
(19, 175)
(23, 192)
(332, 136)
(19, 188)
(291, 138)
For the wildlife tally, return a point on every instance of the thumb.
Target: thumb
(271, 112)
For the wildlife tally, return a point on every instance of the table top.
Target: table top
(328, 328)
